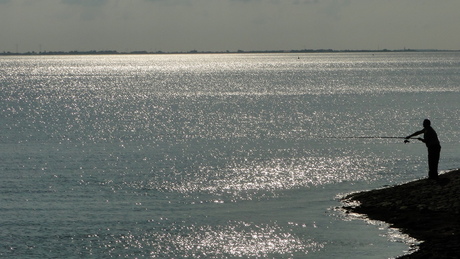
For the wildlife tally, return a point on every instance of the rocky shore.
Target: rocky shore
(427, 210)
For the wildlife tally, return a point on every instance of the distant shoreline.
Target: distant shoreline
(114, 52)
(428, 210)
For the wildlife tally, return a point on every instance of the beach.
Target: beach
(427, 210)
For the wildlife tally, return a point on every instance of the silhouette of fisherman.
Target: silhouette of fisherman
(430, 138)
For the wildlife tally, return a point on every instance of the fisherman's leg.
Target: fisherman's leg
(433, 161)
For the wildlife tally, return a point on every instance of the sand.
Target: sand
(427, 210)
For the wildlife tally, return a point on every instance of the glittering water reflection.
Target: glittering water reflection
(257, 180)
(235, 239)
(229, 155)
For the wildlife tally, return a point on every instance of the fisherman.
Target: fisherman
(430, 138)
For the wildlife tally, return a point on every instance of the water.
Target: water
(213, 156)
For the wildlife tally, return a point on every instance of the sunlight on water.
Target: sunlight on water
(211, 155)
(236, 239)
(246, 182)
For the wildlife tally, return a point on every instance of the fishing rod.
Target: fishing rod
(406, 140)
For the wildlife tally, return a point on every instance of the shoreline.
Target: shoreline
(427, 210)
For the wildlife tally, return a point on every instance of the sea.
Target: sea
(214, 155)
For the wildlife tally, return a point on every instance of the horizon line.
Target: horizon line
(115, 52)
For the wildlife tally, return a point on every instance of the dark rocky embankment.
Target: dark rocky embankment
(428, 210)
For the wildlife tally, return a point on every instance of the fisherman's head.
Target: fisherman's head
(426, 123)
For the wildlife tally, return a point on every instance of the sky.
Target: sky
(221, 25)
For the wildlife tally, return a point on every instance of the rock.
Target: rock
(425, 209)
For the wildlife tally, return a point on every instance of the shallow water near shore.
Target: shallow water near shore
(213, 155)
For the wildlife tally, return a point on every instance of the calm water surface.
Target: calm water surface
(213, 156)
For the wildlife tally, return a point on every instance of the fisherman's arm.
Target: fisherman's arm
(415, 134)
